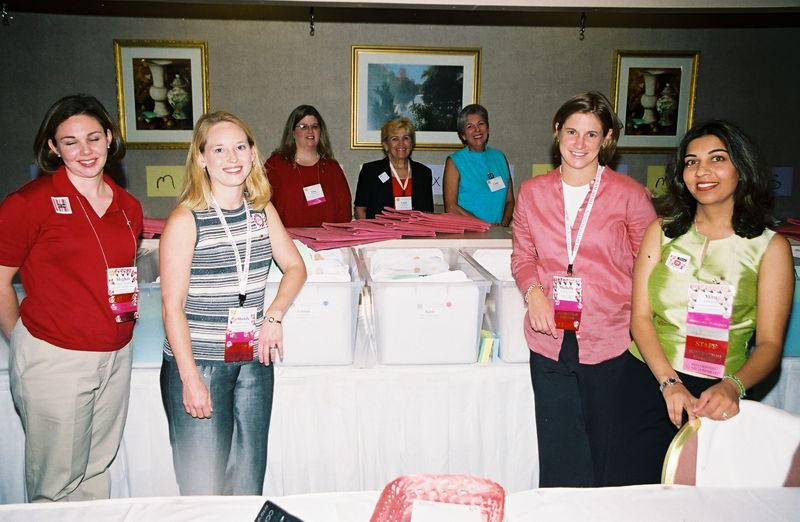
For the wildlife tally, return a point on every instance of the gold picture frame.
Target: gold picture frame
(162, 89)
(654, 95)
(388, 82)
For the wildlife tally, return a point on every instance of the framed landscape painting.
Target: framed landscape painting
(162, 89)
(653, 95)
(430, 86)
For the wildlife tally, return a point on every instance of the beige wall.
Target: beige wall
(262, 69)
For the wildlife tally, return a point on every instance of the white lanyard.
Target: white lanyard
(397, 177)
(572, 254)
(242, 269)
(97, 237)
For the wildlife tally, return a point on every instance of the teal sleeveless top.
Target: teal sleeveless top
(733, 260)
(474, 194)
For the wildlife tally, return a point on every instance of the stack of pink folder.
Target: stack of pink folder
(152, 226)
(390, 224)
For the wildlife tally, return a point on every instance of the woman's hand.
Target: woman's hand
(270, 341)
(719, 402)
(196, 398)
(678, 399)
(540, 313)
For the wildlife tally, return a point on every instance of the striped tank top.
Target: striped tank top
(214, 284)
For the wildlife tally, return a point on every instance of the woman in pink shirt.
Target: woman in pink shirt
(577, 231)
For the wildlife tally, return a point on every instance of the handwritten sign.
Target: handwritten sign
(655, 179)
(164, 181)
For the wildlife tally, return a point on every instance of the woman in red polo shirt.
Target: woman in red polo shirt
(72, 235)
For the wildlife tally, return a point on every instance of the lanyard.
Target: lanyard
(573, 253)
(97, 237)
(242, 269)
(397, 177)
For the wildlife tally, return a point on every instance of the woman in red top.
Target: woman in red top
(72, 235)
(308, 185)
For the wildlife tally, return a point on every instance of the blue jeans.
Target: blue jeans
(226, 454)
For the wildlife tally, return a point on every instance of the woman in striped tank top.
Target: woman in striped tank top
(216, 249)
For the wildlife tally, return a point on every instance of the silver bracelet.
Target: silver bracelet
(530, 289)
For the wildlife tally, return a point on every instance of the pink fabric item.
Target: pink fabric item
(621, 213)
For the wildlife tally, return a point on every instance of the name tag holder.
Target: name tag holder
(708, 321)
(240, 335)
(567, 302)
(123, 293)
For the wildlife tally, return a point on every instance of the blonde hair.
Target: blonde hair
(397, 124)
(196, 192)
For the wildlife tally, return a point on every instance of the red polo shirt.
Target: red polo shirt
(44, 230)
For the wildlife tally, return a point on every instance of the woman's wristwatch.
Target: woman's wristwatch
(671, 381)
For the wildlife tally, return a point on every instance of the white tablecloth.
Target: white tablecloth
(339, 429)
(629, 504)
(654, 503)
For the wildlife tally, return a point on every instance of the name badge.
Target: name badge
(677, 262)
(402, 203)
(708, 322)
(240, 336)
(384, 177)
(495, 183)
(61, 205)
(123, 293)
(314, 194)
(258, 221)
(567, 302)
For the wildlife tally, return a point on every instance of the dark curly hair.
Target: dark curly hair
(753, 197)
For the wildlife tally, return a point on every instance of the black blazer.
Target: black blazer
(374, 194)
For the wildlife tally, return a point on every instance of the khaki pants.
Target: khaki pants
(73, 406)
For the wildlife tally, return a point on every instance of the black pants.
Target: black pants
(574, 405)
(642, 430)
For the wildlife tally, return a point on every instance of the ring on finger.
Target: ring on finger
(724, 415)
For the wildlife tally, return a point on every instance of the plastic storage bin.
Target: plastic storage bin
(426, 322)
(505, 308)
(319, 328)
(148, 334)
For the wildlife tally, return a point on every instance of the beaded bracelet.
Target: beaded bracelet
(530, 289)
(738, 382)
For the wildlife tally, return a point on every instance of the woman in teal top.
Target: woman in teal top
(709, 272)
(477, 181)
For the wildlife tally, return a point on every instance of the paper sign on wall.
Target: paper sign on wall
(655, 179)
(438, 174)
(541, 168)
(164, 181)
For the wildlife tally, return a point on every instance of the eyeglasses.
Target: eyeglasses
(305, 126)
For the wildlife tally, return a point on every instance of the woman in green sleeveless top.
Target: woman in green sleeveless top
(708, 272)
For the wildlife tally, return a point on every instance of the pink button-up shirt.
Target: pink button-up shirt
(621, 213)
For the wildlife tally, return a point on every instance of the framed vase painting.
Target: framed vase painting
(653, 95)
(162, 89)
(430, 86)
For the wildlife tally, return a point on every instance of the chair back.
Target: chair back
(759, 447)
